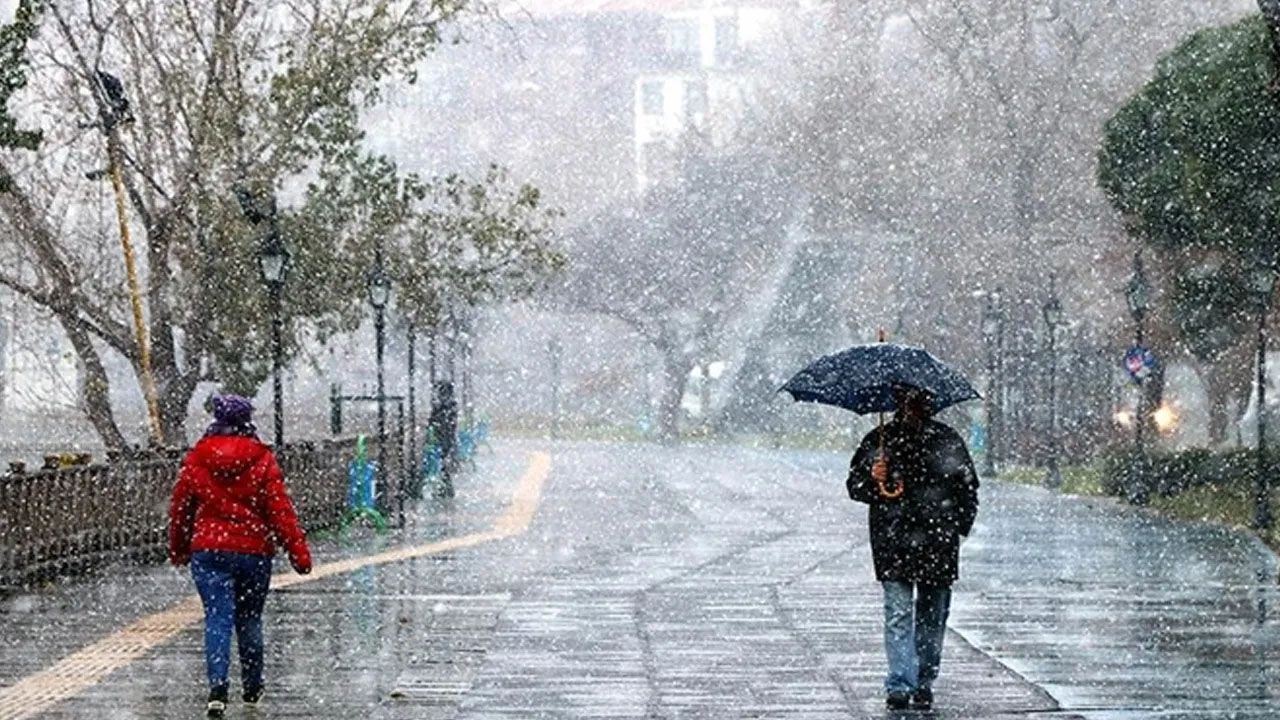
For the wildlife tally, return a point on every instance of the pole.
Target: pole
(400, 479)
(469, 399)
(1140, 412)
(379, 329)
(996, 440)
(553, 349)
(1053, 478)
(989, 462)
(412, 460)
(431, 358)
(277, 352)
(1262, 505)
(135, 292)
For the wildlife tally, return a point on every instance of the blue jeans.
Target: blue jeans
(233, 588)
(915, 621)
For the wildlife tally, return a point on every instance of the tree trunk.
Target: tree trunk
(676, 377)
(1024, 200)
(173, 396)
(1227, 380)
(96, 389)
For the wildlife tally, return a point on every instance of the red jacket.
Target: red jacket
(230, 496)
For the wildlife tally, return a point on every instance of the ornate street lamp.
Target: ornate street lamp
(1262, 283)
(1053, 320)
(379, 287)
(273, 261)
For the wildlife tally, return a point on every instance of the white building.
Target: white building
(704, 82)
(700, 75)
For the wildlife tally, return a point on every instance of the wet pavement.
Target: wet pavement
(688, 583)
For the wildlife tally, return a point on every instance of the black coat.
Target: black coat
(916, 537)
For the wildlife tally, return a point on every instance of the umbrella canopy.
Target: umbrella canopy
(861, 378)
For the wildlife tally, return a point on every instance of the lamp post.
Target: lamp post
(554, 351)
(1137, 295)
(379, 287)
(1262, 282)
(412, 461)
(273, 261)
(991, 335)
(1053, 320)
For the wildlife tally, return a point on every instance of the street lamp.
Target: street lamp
(1053, 320)
(1262, 283)
(412, 461)
(379, 287)
(1138, 296)
(991, 326)
(555, 351)
(273, 261)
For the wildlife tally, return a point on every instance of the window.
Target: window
(651, 97)
(726, 40)
(682, 42)
(695, 97)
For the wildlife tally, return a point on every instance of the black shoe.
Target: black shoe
(217, 703)
(252, 697)
(898, 701)
(922, 699)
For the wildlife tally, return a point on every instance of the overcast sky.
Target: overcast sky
(7, 10)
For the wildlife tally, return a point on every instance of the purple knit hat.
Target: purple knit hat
(232, 415)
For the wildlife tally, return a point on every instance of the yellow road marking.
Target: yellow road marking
(89, 665)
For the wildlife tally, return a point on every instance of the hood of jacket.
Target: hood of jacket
(228, 457)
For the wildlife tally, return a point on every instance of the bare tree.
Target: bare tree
(677, 269)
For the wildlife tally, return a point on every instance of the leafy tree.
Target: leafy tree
(13, 77)
(223, 94)
(447, 239)
(1191, 162)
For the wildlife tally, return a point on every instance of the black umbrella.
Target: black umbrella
(861, 378)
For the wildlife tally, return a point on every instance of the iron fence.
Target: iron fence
(63, 521)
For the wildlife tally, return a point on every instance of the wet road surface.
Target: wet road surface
(705, 582)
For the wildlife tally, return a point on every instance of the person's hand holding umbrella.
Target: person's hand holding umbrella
(880, 473)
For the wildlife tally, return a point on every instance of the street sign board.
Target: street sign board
(1140, 363)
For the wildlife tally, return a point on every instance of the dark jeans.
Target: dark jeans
(915, 621)
(233, 588)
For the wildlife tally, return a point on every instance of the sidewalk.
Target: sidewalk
(1123, 612)
(703, 583)
(40, 628)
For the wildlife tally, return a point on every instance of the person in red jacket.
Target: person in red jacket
(229, 510)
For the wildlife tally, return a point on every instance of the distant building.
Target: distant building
(702, 84)
(592, 100)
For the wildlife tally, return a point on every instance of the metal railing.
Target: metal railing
(63, 521)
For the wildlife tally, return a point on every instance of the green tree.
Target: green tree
(223, 94)
(1192, 162)
(14, 39)
(454, 238)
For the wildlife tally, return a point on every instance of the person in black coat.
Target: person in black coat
(443, 424)
(916, 475)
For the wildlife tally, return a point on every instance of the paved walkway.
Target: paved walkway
(692, 583)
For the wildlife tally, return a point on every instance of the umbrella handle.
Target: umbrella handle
(882, 484)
